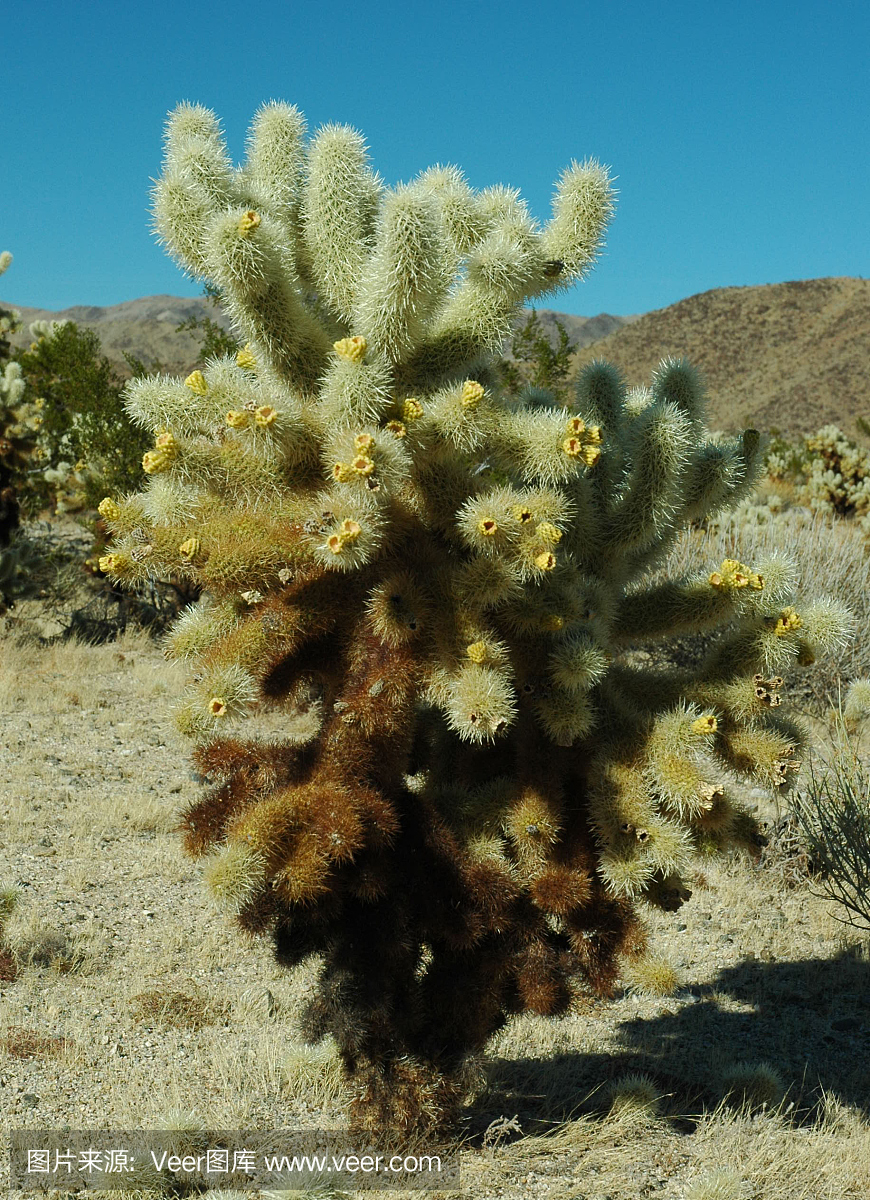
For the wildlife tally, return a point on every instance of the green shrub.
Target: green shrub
(88, 443)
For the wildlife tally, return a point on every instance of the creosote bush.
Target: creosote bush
(489, 784)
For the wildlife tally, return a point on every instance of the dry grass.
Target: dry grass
(177, 1009)
(20, 1042)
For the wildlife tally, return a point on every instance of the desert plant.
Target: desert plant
(87, 442)
(536, 365)
(833, 810)
(20, 421)
(453, 584)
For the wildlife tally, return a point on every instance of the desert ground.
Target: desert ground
(737, 1071)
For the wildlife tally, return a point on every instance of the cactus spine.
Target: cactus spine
(437, 591)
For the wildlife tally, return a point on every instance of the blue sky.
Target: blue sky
(738, 131)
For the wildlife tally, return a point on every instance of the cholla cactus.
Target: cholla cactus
(438, 589)
(838, 475)
(20, 420)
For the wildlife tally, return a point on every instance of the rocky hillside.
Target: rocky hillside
(791, 356)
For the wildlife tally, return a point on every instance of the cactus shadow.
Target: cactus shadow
(808, 1019)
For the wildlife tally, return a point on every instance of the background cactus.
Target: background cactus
(20, 419)
(434, 753)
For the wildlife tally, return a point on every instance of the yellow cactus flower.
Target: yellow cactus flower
(335, 543)
(487, 526)
(545, 561)
(704, 725)
(521, 513)
(397, 428)
(246, 358)
(350, 530)
(363, 442)
(734, 576)
(787, 622)
(238, 418)
(582, 442)
(342, 472)
(217, 706)
(190, 548)
(549, 533)
(552, 623)
(363, 465)
(412, 409)
(476, 651)
(108, 509)
(155, 461)
(248, 222)
(166, 442)
(196, 382)
(265, 415)
(472, 393)
(351, 349)
(110, 563)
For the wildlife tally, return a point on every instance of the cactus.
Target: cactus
(20, 419)
(436, 592)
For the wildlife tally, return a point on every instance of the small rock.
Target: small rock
(30, 1100)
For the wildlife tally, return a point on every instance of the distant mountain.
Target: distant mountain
(145, 328)
(789, 356)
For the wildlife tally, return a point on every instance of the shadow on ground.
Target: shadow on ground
(810, 1020)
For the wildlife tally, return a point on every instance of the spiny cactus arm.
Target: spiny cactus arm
(263, 295)
(5, 261)
(708, 600)
(340, 202)
(582, 207)
(196, 183)
(675, 381)
(463, 219)
(659, 451)
(722, 474)
(406, 275)
(479, 313)
(275, 171)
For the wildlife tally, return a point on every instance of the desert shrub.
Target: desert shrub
(535, 365)
(455, 582)
(87, 442)
(833, 810)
